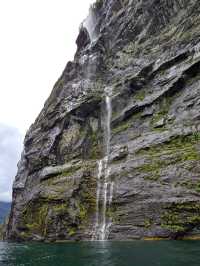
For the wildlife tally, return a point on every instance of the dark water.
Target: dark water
(164, 253)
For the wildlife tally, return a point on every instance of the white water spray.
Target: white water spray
(100, 169)
(108, 92)
(90, 24)
(105, 186)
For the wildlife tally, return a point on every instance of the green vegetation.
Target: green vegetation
(52, 208)
(176, 150)
(189, 184)
(95, 149)
(72, 231)
(153, 169)
(147, 223)
(140, 95)
(89, 198)
(82, 212)
(181, 217)
(54, 179)
(172, 222)
(60, 209)
(164, 106)
(70, 171)
(180, 143)
(122, 127)
(112, 214)
(34, 218)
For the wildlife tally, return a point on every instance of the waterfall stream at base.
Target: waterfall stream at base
(105, 185)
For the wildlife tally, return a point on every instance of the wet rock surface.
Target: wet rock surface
(149, 53)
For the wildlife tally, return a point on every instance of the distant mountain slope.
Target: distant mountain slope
(4, 209)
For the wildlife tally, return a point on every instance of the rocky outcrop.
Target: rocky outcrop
(148, 51)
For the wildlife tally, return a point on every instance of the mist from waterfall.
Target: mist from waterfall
(90, 24)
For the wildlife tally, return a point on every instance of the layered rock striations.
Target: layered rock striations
(148, 53)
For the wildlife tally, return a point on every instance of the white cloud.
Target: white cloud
(10, 149)
(37, 39)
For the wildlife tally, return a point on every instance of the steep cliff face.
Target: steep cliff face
(136, 175)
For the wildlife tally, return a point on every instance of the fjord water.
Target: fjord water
(137, 253)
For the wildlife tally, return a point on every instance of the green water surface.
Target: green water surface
(164, 253)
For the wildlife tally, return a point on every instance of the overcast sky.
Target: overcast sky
(37, 39)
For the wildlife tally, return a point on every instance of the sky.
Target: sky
(37, 39)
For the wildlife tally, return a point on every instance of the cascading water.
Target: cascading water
(90, 24)
(100, 169)
(104, 185)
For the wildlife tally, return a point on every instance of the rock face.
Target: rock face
(148, 52)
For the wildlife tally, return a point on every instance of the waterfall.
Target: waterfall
(105, 186)
(90, 23)
(100, 169)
